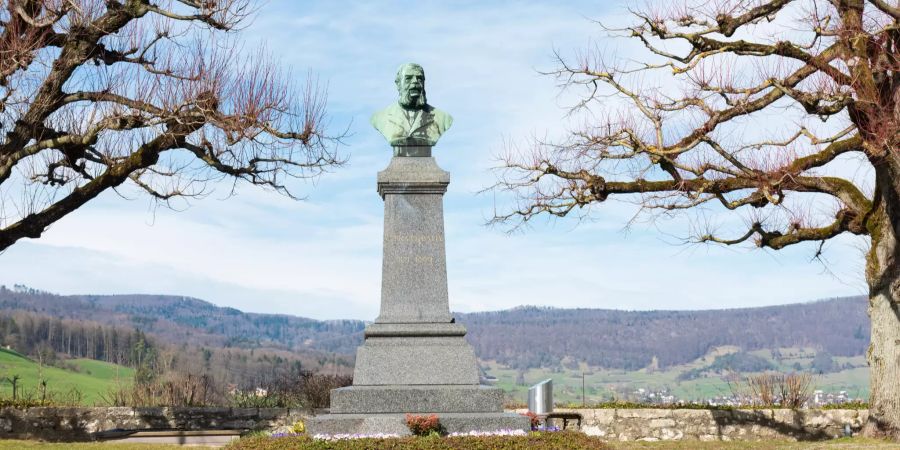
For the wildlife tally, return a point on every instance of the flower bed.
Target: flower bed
(562, 440)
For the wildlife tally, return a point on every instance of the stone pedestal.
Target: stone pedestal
(414, 358)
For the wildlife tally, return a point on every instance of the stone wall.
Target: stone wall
(711, 425)
(77, 424)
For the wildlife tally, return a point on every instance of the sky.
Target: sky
(321, 257)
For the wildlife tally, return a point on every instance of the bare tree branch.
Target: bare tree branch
(131, 81)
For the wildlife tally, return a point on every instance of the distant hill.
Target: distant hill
(526, 337)
(176, 319)
(169, 334)
(529, 337)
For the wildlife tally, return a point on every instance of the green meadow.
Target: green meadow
(87, 385)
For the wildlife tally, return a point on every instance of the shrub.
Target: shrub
(303, 389)
(788, 390)
(317, 387)
(795, 389)
(171, 389)
(253, 399)
(535, 420)
(424, 425)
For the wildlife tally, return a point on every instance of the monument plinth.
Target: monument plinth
(415, 358)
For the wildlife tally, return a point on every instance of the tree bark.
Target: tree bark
(883, 276)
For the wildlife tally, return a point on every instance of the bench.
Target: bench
(169, 436)
(566, 417)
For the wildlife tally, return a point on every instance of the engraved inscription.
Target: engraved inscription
(419, 260)
(414, 238)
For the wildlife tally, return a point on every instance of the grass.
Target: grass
(102, 370)
(93, 380)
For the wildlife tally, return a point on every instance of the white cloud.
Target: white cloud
(73, 270)
(639, 271)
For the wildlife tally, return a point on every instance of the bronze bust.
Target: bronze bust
(411, 121)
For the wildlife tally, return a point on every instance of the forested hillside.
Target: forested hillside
(158, 335)
(184, 319)
(541, 337)
(526, 337)
(46, 336)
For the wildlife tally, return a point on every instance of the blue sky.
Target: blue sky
(321, 257)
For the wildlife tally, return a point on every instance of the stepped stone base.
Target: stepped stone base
(415, 354)
(332, 424)
(416, 399)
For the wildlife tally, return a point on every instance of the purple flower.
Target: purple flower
(490, 433)
(285, 434)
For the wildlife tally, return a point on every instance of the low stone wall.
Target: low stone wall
(712, 425)
(77, 424)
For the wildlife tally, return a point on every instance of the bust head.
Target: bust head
(410, 83)
(411, 121)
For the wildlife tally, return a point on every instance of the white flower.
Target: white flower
(338, 437)
(491, 433)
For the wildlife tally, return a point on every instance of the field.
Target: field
(602, 385)
(92, 379)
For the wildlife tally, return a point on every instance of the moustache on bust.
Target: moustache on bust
(407, 100)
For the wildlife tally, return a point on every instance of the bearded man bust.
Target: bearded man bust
(411, 121)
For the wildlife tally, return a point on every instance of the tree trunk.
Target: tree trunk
(883, 277)
(884, 364)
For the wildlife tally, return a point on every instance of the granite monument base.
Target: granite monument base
(416, 399)
(418, 369)
(415, 354)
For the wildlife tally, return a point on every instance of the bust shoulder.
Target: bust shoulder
(396, 125)
(392, 110)
(441, 118)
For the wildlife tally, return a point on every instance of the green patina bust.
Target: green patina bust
(411, 121)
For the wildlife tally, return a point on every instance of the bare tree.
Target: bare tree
(154, 94)
(765, 108)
